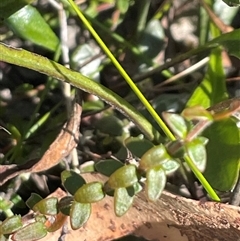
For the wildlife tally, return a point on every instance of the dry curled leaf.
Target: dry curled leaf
(10, 171)
(63, 144)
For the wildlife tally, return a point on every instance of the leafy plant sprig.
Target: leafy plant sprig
(124, 181)
(142, 98)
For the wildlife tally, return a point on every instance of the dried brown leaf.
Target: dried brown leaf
(63, 144)
(10, 171)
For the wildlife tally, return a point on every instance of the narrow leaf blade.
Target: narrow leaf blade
(29, 24)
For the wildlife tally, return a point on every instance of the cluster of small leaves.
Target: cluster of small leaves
(124, 180)
(14, 224)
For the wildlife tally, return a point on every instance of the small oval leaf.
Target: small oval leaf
(197, 152)
(170, 166)
(108, 166)
(89, 193)
(177, 124)
(33, 200)
(47, 206)
(125, 176)
(31, 232)
(154, 157)
(110, 125)
(11, 224)
(79, 214)
(71, 181)
(122, 201)
(155, 183)
(138, 145)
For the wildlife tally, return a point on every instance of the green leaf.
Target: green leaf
(122, 6)
(89, 193)
(154, 157)
(155, 183)
(170, 166)
(11, 224)
(30, 25)
(71, 181)
(64, 204)
(47, 206)
(223, 153)
(108, 166)
(79, 214)
(151, 40)
(213, 87)
(197, 152)
(177, 124)
(138, 145)
(125, 176)
(137, 187)
(8, 7)
(31, 232)
(110, 125)
(123, 200)
(33, 200)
